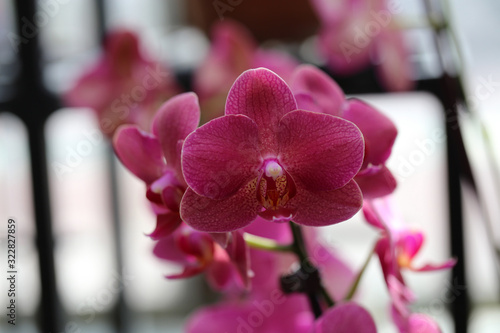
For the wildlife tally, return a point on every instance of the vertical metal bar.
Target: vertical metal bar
(120, 312)
(454, 155)
(33, 104)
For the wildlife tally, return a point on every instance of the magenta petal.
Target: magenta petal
(221, 156)
(326, 207)
(376, 182)
(225, 317)
(410, 243)
(321, 152)
(140, 152)
(346, 318)
(378, 130)
(435, 267)
(175, 119)
(168, 249)
(264, 97)
(326, 94)
(221, 238)
(220, 273)
(421, 323)
(371, 215)
(395, 71)
(210, 215)
(239, 253)
(166, 224)
(307, 102)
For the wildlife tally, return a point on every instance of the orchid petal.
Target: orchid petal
(239, 254)
(378, 130)
(371, 215)
(346, 318)
(321, 152)
(221, 156)
(279, 62)
(421, 323)
(219, 318)
(328, 96)
(264, 97)
(326, 207)
(435, 267)
(211, 215)
(167, 249)
(140, 152)
(175, 119)
(166, 224)
(376, 182)
(410, 243)
(220, 272)
(395, 70)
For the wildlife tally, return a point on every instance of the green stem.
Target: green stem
(263, 243)
(355, 284)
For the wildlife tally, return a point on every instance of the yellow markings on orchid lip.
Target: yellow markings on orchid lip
(404, 260)
(273, 170)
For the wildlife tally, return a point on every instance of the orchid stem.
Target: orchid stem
(301, 252)
(263, 243)
(355, 284)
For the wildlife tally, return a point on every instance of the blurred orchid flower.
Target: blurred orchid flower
(226, 267)
(355, 33)
(123, 86)
(155, 157)
(345, 318)
(266, 158)
(316, 91)
(396, 250)
(233, 50)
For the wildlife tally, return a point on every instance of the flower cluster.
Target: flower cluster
(300, 152)
(239, 198)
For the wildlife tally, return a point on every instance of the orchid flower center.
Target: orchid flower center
(404, 260)
(275, 188)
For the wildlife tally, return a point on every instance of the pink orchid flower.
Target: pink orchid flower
(396, 251)
(266, 158)
(354, 33)
(155, 157)
(345, 318)
(233, 50)
(226, 267)
(277, 314)
(123, 87)
(316, 91)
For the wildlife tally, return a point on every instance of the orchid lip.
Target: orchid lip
(275, 188)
